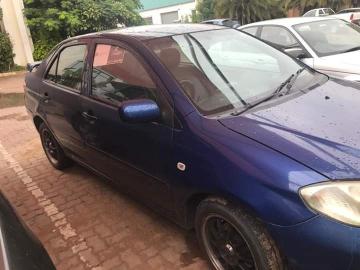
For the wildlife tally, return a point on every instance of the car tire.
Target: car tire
(233, 239)
(52, 149)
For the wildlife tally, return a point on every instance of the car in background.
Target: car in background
(348, 10)
(318, 12)
(217, 130)
(350, 15)
(223, 22)
(327, 44)
(19, 248)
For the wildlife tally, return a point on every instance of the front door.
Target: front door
(136, 155)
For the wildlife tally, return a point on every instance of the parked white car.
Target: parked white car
(327, 44)
(350, 15)
(318, 12)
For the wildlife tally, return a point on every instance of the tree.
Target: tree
(247, 11)
(51, 21)
(205, 10)
(305, 5)
(6, 53)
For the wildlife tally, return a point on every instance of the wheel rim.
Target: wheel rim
(50, 146)
(225, 245)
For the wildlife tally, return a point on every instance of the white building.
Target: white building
(167, 11)
(13, 23)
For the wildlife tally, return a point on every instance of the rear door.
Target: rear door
(62, 87)
(136, 155)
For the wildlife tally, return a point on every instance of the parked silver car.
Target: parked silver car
(318, 12)
(329, 45)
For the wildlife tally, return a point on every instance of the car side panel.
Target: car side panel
(223, 163)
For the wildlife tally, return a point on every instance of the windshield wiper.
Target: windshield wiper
(216, 68)
(353, 49)
(288, 83)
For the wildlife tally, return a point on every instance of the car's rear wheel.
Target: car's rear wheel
(52, 149)
(233, 239)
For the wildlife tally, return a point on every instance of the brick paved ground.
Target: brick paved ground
(83, 221)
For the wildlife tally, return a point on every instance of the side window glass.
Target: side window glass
(251, 30)
(278, 36)
(117, 76)
(51, 75)
(70, 66)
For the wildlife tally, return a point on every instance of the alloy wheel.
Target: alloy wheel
(225, 246)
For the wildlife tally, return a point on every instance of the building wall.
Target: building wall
(184, 10)
(14, 24)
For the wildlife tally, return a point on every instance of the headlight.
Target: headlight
(337, 200)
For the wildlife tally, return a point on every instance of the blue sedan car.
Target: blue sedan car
(216, 130)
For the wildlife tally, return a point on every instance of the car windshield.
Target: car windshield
(330, 37)
(222, 70)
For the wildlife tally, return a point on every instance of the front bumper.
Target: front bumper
(319, 244)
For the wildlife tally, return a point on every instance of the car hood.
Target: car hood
(343, 62)
(320, 128)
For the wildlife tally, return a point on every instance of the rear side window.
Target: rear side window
(68, 68)
(251, 30)
(118, 75)
(310, 13)
(278, 36)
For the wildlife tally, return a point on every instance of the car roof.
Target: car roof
(288, 22)
(156, 31)
(217, 20)
(358, 8)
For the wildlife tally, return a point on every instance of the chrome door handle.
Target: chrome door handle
(46, 97)
(89, 116)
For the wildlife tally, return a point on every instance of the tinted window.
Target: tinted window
(251, 30)
(278, 36)
(328, 11)
(52, 71)
(68, 69)
(117, 76)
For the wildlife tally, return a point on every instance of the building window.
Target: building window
(169, 17)
(148, 20)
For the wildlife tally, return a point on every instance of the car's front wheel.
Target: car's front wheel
(233, 239)
(52, 149)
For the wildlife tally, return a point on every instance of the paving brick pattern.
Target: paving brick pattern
(83, 221)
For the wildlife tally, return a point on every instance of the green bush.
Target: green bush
(6, 53)
(42, 48)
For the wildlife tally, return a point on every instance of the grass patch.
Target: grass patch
(11, 100)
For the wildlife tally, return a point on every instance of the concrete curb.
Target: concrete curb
(13, 73)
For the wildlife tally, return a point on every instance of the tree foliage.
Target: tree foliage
(305, 5)
(205, 10)
(247, 11)
(51, 21)
(6, 53)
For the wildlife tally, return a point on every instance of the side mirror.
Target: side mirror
(295, 52)
(139, 111)
(31, 66)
